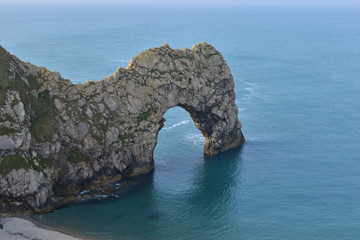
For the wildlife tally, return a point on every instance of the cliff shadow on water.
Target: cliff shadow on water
(159, 200)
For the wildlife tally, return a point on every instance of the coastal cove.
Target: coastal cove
(296, 73)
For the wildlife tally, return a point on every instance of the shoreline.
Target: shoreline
(26, 227)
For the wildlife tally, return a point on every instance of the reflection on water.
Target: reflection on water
(215, 181)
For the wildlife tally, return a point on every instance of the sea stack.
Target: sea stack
(57, 137)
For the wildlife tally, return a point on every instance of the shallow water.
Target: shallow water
(297, 75)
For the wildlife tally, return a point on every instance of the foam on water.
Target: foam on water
(176, 125)
(251, 91)
(195, 138)
(118, 60)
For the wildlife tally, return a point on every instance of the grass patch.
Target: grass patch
(10, 162)
(99, 123)
(122, 138)
(17, 161)
(42, 163)
(6, 131)
(145, 115)
(102, 127)
(98, 138)
(43, 122)
(43, 117)
(34, 84)
(5, 82)
(45, 162)
(76, 156)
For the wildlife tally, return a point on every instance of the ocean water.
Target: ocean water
(297, 76)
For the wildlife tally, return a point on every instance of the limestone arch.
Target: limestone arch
(102, 131)
(197, 80)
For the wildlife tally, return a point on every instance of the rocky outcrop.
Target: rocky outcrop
(57, 137)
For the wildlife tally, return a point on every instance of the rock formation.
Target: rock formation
(57, 137)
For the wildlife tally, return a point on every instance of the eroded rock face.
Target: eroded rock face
(57, 137)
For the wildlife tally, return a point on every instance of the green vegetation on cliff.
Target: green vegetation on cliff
(6, 131)
(17, 161)
(145, 115)
(43, 122)
(4, 74)
(40, 108)
(76, 156)
(10, 162)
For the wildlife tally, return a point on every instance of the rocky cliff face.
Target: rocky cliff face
(57, 137)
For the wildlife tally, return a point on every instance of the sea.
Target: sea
(297, 84)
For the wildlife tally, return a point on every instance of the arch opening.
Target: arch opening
(178, 136)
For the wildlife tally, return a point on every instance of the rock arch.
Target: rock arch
(197, 80)
(70, 136)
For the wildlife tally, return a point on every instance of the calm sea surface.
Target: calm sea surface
(297, 75)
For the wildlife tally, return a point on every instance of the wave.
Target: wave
(251, 89)
(197, 139)
(161, 163)
(118, 60)
(177, 124)
(251, 84)
(84, 192)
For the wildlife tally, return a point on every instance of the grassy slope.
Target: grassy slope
(40, 109)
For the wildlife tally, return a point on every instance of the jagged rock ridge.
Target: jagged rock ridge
(57, 137)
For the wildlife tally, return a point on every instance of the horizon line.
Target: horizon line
(204, 3)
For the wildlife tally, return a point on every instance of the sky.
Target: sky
(207, 2)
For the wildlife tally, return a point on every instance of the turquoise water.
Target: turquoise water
(297, 75)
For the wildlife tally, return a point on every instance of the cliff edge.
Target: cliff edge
(57, 137)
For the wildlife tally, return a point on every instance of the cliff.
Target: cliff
(57, 137)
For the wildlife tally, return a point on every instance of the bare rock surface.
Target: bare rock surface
(57, 137)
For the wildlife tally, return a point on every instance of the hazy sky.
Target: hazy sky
(220, 2)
